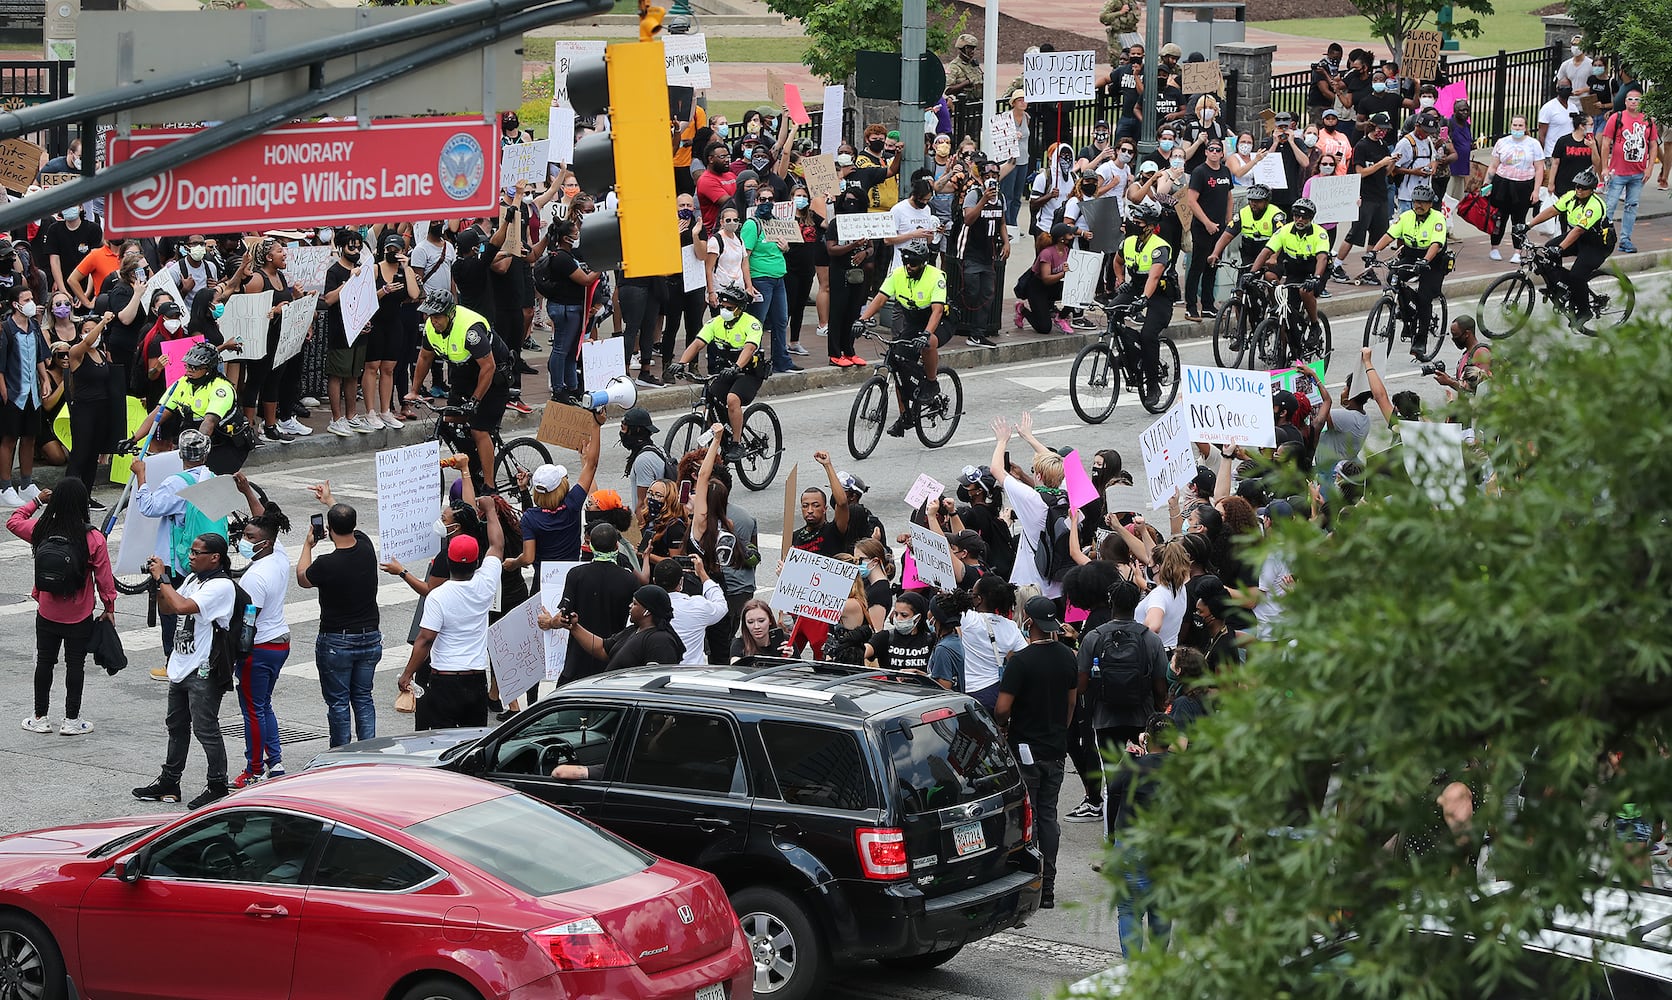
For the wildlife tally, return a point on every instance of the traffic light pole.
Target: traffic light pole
(1152, 59)
(914, 17)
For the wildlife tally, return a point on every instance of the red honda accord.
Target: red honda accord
(368, 882)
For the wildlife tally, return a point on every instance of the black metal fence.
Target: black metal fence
(26, 82)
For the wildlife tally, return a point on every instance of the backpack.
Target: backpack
(1050, 550)
(59, 569)
(545, 282)
(226, 647)
(1123, 677)
(194, 523)
(670, 471)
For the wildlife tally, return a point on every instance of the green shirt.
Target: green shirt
(766, 258)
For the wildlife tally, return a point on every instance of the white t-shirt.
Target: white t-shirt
(1030, 523)
(1272, 587)
(728, 260)
(909, 218)
(425, 255)
(988, 640)
(267, 581)
(195, 633)
(693, 615)
(457, 611)
(1578, 77)
(1171, 603)
(1554, 116)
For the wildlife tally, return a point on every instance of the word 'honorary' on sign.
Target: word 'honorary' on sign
(1050, 77)
(813, 586)
(1228, 406)
(309, 173)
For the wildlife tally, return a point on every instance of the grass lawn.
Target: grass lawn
(720, 50)
(1512, 26)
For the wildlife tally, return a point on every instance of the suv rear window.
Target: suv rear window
(816, 765)
(949, 762)
(495, 836)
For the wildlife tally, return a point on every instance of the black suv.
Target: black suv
(851, 814)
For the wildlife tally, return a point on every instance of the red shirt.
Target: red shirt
(1633, 135)
(714, 191)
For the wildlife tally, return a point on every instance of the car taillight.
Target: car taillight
(882, 852)
(937, 714)
(580, 945)
(1027, 818)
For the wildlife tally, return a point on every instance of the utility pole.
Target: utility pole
(914, 16)
(989, 71)
(1152, 59)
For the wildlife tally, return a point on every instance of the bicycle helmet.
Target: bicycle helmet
(1422, 192)
(1586, 178)
(1303, 209)
(1147, 213)
(438, 300)
(200, 356)
(1259, 192)
(732, 293)
(914, 254)
(193, 445)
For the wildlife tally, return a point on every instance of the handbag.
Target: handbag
(1477, 211)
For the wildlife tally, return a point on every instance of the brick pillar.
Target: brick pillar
(1559, 30)
(1252, 63)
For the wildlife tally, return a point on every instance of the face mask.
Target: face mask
(943, 148)
(1518, 132)
(653, 507)
(1574, 49)
(1309, 141)
(728, 314)
(754, 128)
(1427, 102)
(875, 145)
(908, 626)
(1207, 114)
(325, 235)
(1177, 164)
(72, 213)
(1166, 145)
(721, 129)
(439, 527)
(800, 202)
(1379, 87)
(731, 224)
(1245, 148)
(197, 253)
(219, 310)
(171, 325)
(1327, 127)
(764, 210)
(1100, 137)
(1123, 157)
(28, 309)
(245, 549)
(758, 162)
(61, 311)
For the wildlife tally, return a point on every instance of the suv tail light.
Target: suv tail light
(882, 852)
(1027, 818)
(580, 945)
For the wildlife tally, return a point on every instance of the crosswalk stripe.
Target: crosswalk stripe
(295, 612)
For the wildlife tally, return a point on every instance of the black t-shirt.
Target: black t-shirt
(861, 524)
(1571, 157)
(775, 639)
(880, 594)
(71, 245)
(559, 267)
(1372, 103)
(1195, 129)
(1358, 87)
(1373, 188)
(635, 647)
(599, 593)
(904, 652)
(1316, 97)
(1127, 79)
(470, 274)
(122, 339)
(347, 583)
(1167, 102)
(984, 521)
(335, 277)
(823, 539)
(1213, 191)
(1041, 678)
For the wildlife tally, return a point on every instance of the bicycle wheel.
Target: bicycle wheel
(869, 413)
(1318, 346)
(1167, 375)
(1378, 326)
(683, 436)
(1506, 305)
(763, 446)
(1613, 297)
(937, 421)
(1230, 344)
(1268, 347)
(518, 455)
(1094, 382)
(1439, 322)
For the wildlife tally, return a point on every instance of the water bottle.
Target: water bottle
(1096, 668)
(247, 638)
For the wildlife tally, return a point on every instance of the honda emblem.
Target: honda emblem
(685, 915)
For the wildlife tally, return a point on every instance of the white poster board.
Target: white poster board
(1120, 498)
(245, 321)
(139, 533)
(163, 279)
(830, 125)
(687, 57)
(1080, 284)
(924, 489)
(933, 555)
(1433, 456)
(358, 300)
(813, 586)
(216, 496)
(565, 54)
(1337, 198)
(1169, 460)
(1051, 77)
(561, 129)
(516, 650)
(864, 226)
(1229, 406)
(522, 161)
(409, 501)
(1268, 170)
(601, 360)
(294, 327)
(552, 578)
(1004, 141)
(695, 272)
(306, 266)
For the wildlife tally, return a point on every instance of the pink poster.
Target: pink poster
(175, 352)
(792, 104)
(1078, 484)
(1447, 97)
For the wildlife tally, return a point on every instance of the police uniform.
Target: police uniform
(914, 300)
(728, 340)
(1297, 254)
(463, 346)
(188, 404)
(1593, 246)
(1415, 236)
(1139, 255)
(1256, 229)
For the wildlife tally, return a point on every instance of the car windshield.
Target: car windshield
(108, 848)
(531, 846)
(949, 762)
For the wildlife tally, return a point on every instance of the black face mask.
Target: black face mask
(875, 145)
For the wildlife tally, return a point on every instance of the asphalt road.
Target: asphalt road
(51, 779)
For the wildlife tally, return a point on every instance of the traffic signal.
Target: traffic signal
(635, 156)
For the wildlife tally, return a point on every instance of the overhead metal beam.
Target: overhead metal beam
(228, 133)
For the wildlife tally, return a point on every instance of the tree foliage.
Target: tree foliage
(1511, 644)
(1635, 32)
(838, 29)
(1392, 20)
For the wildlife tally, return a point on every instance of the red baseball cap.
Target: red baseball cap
(463, 549)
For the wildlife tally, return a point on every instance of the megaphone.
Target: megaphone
(618, 391)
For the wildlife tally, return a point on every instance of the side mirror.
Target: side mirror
(474, 762)
(128, 870)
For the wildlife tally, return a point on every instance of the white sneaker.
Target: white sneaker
(75, 727)
(290, 425)
(30, 492)
(391, 421)
(360, 425)
(1516, 259)
(9, 498)
(40, 725)
(310, 402)
(1495, 255)
(339, 427)
(822, 331)
(374, 421)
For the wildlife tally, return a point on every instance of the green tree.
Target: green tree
(1392, 20)
(1511, 644)
(1635, 32)
(837, 29)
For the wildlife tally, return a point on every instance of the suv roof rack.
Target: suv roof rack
(743, 686)
(844, 672)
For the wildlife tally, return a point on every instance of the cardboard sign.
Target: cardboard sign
(687, 57)
(774, 89)
(864, 226)
(523, 161)
(54, 179)
(792, 509)
(20, 161)
(1080, 284)
(1229, 406)
(566, 426)
(552, 578)
(216, 496)
(601, 360)
(174, 369)
(933, 555)
(1201, 77)
(813, 586)
(1051, 77)
(924, 489)
(830, 124)
(306, 266)
(1076, 481)
(294, 327)
(1169, 460)
(1433, 456)
(820, 174)
(1421, 58)
(164, 280)
(1337, 198)
(517, 649)
(139, 533)
(1004, 140)
(408, 502)
(358, 300)
(245, 321)
(782, 225)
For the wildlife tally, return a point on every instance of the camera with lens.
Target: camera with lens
(1433, 368)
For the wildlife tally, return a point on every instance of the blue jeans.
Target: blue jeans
(564, 363)
(347, 663)
(773, 310)
(1632, 188)
(1136, 906)
(1014, 187)
(256, 677)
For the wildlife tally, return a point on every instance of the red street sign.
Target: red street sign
(310, 173)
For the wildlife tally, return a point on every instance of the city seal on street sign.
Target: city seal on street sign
(461, 166)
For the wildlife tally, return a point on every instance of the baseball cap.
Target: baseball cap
(656, 601)
(970, 541)
(1283, 117)
(607, 500)
(1171, 49)
(1331, 113)
(1042, 612)
(548, 477)
(463, 549)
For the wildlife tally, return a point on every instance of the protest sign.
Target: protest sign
(1268, 170)
(1169, 459)
(54, 179)
(163, 280)
(1050, 77)
(926, 488)
(820, 174)
(522, 161)
(601, 360)
(517, 649)
(1228, 406)
(1080, 284)
(794, 106)
(1076, 482)
(1421, 60)
(782, 225)
(294, 327)
(1201, 77)
(1446, 98)
(553, 575)
(174, 353)
(864, 226)
(813, 586)
(306, 266)
(216, 496)
(1119, 498)
(1285, 378)
(20, 161)
(830, 123)
(358, 300)
(933, 555)
(693, 270)
(139, 533)
(561, 129)
(1101, 218)
(687, 57)
(565, 54)
(409, 501)
(792, 508)
(1004, 141)
(245, 321)
(566, 426)
(1433, 456)
(1337, 198)
(774, 89)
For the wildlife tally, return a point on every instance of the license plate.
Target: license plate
(715, 992)
(969, 838)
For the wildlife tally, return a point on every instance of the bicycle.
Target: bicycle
(1509, 300)
(519, 455)
(1288, 324)
(1103, 372)
(934, 415)
(1398, 304)
(759, 452)
(1250, 301)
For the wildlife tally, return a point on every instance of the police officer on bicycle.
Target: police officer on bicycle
(478, 370)
(1256, 223)
(1146, 270)
(736, 335)
(1588, 239)
(919, 293)
(1421, 233)
(1300, 250)
(203, 400)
